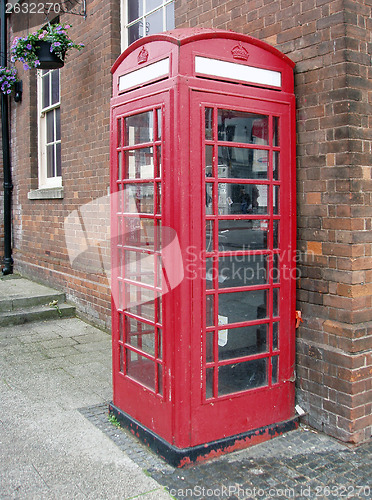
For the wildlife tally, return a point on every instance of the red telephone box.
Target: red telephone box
(203, 242)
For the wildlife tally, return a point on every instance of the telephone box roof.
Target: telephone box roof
(183, 36)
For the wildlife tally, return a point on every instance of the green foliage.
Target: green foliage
(113, 420)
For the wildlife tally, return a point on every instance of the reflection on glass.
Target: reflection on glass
(237, 126)
(160, 343)
(276, 200)
(209, 235)
(58, 123)
(275, 131)
(119, 131)
(158, 198)
(244, 342)
(50, 161)
(135, 32)
(169, 16)
(276, 158)
(159, 270)
(140, 301)
(275, 234)
(139, 164)
(120, 229)
(121, 328)
(275, 336)
(159, 310)
(152, 4)
(50, 126)
(242, 376)
(121, 262)
(243, 306)
(154, 22)
(140, 335)
(158, 162)
(275, 301)
(139, 128)
(141, 369)
(243, 163)
(134, 10)
(46, 93)
(210, 310)
(209, 161)
(276, 268)
(160, 378)
(274, 369)
(208, 198)
(55, 86)
(119, 198)
(209, 382)
(242, 270)
(242, 199)
(158, 117)
(121, 294)
(120, 169)
(138, 232)
(209, 274)
(139, 267)
(121, 358)
(158, 235)
(209, 124)
(209, 347)
(242, 235)
(58, 159)
(139, 198)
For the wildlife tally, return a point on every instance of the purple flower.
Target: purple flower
(26, 66)
(37, 63)
(29, 46)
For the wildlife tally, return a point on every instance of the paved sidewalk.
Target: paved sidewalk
(56, 441)
(48, 449)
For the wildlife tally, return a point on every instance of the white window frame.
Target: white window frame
(45, 182)
(124, 17)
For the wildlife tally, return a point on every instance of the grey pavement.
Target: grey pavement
(48, 449)
(56, 441)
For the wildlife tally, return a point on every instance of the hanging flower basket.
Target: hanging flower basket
(8, 79)
(32, 52)
(47, 58)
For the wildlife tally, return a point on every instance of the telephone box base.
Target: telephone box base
(178, 457)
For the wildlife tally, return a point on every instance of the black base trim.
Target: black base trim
(180, 457)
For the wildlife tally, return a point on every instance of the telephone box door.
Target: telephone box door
(140, 348)
(243, 254)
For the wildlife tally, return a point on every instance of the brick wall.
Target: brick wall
(330, 42)
(39, 240)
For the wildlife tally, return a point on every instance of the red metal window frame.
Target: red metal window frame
(270, 286)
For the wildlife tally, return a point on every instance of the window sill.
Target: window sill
(46, 194)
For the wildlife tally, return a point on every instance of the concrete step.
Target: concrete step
(22, 300)
(36, 313)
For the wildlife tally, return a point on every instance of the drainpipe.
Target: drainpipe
(8, 186)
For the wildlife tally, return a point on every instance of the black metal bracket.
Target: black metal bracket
(76, 7)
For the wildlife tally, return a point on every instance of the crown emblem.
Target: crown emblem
(239, 52)
(143, 55)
